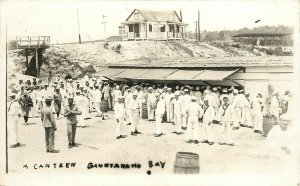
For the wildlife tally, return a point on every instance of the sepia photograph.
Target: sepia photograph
(181, 90)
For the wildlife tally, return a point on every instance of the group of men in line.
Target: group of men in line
(183, 106)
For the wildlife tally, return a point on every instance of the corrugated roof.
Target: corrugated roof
(109, 72)
(184, 75)
(219, 75)
(169, 74)
(156, 74)
(132, 73)
(208, 62)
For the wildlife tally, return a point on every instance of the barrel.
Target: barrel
(268, 123)
(104, 106)
(144, 110)
(186, 163)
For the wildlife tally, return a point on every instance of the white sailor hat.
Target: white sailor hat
(185, 90)
(235, 91)
(215, 89)
(224, 90)
(150, 88)
(117, 87)
(241, 91)
(197, 87)
(206, 91)
(176, 93)
(169, 88)
(194, 98)
(286, 117)
(160, 90)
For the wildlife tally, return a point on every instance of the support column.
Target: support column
(26, 54)
(37, 63)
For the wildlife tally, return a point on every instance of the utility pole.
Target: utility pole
(104, 26)
(199, 26)
(78, 26)
(196, 34)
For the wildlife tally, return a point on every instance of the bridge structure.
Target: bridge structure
(35, 45)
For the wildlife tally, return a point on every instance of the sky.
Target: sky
(58, 19)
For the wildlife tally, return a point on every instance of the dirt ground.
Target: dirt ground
(97, 144)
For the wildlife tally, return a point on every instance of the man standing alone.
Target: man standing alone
(71, 113)
(48, 120)
(13, 115)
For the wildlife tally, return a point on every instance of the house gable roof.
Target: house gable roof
(150, 15)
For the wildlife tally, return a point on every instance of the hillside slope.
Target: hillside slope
(77, 59)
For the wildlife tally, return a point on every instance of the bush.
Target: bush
(118, 48)
(106, 45)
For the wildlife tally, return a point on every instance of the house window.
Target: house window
(143, 27)
(162, 28)
(150, 27)
(136, 16)
(130, 28)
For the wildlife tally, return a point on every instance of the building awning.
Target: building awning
(132, 73)
(223, 83)
(184, 75)
(214, 75)
(156, 74)
(199, 76)
(109, 72)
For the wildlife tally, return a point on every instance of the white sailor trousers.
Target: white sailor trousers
(97, 107)
(158, 119)
(150, 112)
(226, 132)
(120, 127)
(258, 120)
(134, 120)
(208, 131)
(246, 117)
(177, 122)
(183, 120)
(192, 128)
(236, 117)
(13, 129)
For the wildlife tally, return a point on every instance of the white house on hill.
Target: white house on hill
(154, 25)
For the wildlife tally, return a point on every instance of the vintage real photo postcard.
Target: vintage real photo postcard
(156, 92)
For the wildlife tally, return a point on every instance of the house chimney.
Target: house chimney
(180, 16)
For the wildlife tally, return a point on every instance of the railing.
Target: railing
(177, 35)
(137, 35)
(33, 41)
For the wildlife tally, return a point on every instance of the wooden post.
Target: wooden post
(196, 34)
(175, 30)
(199, 36)
(26, 53)
(37, 63)
(146, 27)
